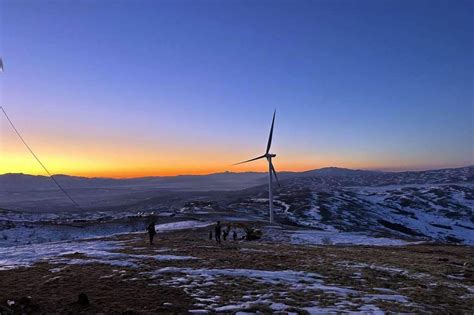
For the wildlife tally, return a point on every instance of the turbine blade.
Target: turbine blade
(275, 173)
(269, 144)
(257, 158)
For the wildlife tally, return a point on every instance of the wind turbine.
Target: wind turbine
(271, 168)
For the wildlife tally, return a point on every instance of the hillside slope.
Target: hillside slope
(431, 205)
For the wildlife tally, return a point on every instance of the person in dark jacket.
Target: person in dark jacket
(226, 232)
(234, 236)
(151, 231)
(217, 232)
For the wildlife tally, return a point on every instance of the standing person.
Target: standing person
(217, 232)
(226, 232)
(210, 235)
(151, 231)
(234, 236)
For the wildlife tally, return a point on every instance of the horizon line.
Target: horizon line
(386, 170)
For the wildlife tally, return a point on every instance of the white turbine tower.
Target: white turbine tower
(271, 168)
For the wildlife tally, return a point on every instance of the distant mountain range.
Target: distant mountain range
(235, 181)
(224, 181)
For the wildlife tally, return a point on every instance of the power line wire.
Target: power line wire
(39, 161)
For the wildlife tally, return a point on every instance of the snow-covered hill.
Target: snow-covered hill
(432, 205)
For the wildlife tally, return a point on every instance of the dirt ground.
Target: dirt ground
(415, 278)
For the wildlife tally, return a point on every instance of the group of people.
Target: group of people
(218, 232)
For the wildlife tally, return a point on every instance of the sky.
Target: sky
(141, 88)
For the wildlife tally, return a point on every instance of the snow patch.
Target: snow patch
(311, 237)
(181, 225)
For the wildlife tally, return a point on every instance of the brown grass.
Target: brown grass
(425, 280)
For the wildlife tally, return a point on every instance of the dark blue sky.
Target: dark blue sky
(370, 84)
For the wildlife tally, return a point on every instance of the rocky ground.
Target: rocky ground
(185, 272)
